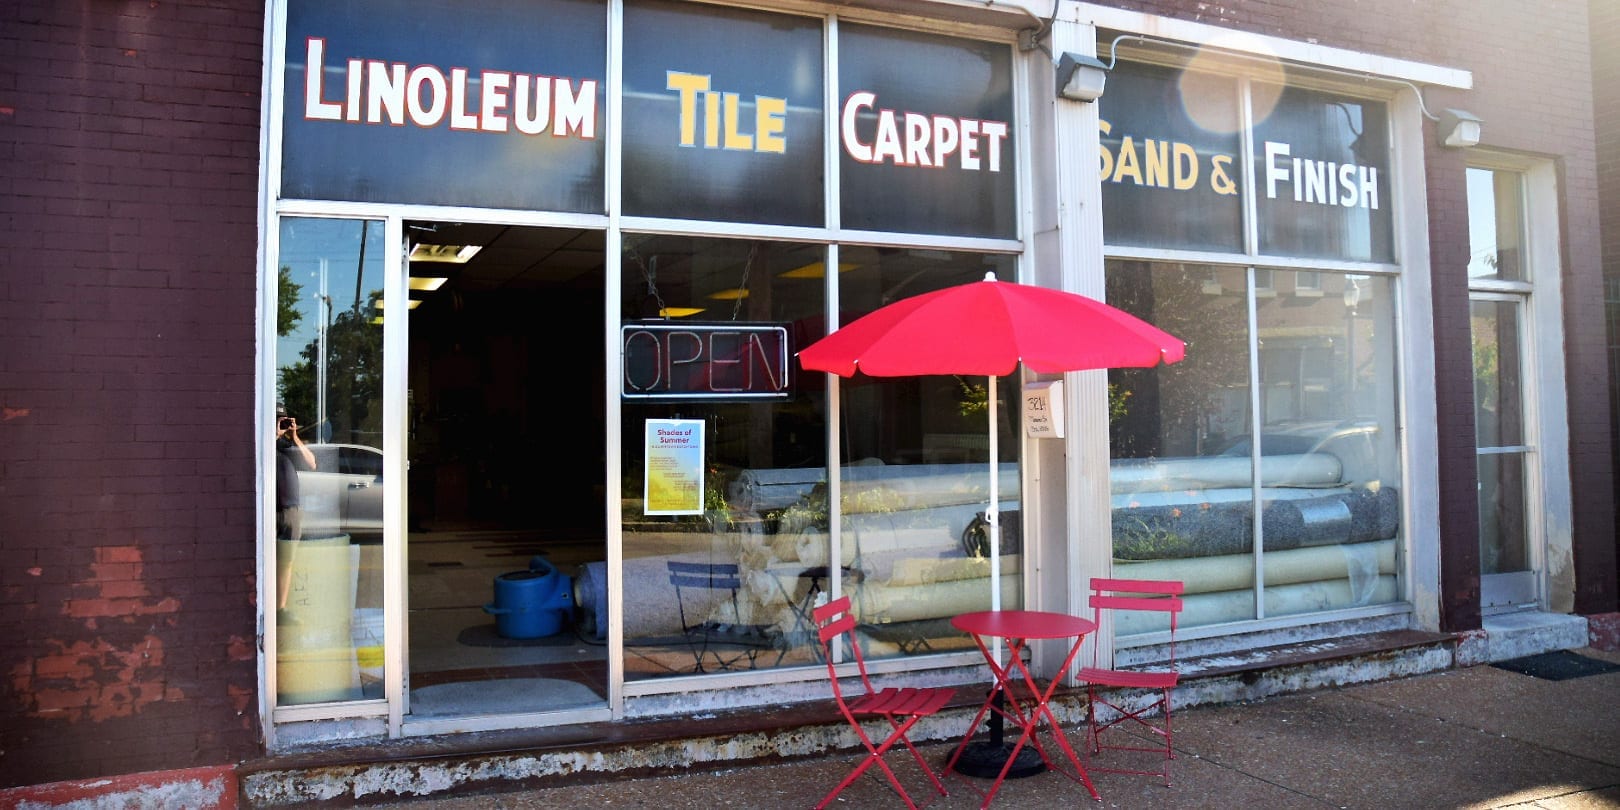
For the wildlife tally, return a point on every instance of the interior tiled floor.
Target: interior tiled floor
(455, 640)
(458, 652)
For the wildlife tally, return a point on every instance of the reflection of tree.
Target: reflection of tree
(1487, 362)
(353, 380)
(1168, 410)
(287, 293)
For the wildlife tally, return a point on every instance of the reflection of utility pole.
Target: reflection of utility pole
(324, 304)
(1352, 297)
(360, 268)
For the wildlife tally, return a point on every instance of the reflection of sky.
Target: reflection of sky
(307, 244)
(1481, 223)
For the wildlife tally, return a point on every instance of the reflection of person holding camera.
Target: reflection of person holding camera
(291, 455)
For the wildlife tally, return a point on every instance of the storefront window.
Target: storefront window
(916, 471)
(1184, 474)
(1323, 186)
(926, 134)
(720, 103)
(434, 103)
(723, 557)
(1170, 139)
(327, 437)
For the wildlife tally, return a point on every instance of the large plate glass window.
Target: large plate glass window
(926, 134)
(446, 103)
(1322, 176)
(328, 487)
(1188, 500)
(1171, 137)
(915, 483)
(1264, 469)
(724, 458)
(723, 114)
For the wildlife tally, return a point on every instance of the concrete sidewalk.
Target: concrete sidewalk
(1462, 738)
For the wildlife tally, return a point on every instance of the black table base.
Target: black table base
(984, 759)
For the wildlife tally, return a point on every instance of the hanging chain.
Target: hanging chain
(650, 274)
(742, 284)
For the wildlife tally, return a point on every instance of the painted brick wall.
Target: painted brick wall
(1533, 88)
(128, 182)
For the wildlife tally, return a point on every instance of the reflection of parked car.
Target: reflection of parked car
(1303, 437)
(344, 493)
(1350, 441)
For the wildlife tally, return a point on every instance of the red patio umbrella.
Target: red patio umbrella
(989, 327)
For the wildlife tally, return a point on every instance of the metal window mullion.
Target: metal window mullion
(1251, 248)
(613, 251)
(832, 216)
(1257, 537)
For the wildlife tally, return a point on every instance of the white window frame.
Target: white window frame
(1548, 505)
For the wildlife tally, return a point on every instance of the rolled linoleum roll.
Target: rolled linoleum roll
(877, 603)
(1281, 600)
(1232, 572)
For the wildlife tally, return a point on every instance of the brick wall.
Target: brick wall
(128, 163)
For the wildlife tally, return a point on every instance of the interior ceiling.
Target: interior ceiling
(513, 257)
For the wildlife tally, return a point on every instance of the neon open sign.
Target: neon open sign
(705, 361)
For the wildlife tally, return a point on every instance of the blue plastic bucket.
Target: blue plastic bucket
(532, 603)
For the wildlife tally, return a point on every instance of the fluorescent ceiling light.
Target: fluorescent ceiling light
(815, 270)
(427, 283)
(412, 304)
(453, 254)
(679, 312)
(377, 320)
(728, 295)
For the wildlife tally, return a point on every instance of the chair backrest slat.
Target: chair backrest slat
(1166, 586)
(704, 575)
(834, 620)
(1167, 604)
(834, 628)
(1155, 595)
(704, 581)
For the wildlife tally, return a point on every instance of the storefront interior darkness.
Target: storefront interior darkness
(505, 489)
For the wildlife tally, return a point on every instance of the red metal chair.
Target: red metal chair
(900, 707)
(1162, 596)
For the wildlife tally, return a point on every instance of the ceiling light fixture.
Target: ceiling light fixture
(815, 270)
(427, 283)
(451, 254)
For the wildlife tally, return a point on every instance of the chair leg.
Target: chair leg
(874, 756)
(1161, 732)
(917, 755)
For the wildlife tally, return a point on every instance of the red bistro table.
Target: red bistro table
(1015, 695)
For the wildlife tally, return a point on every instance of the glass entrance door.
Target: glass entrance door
(1507, 566)
(505, 491)
(1499, 276)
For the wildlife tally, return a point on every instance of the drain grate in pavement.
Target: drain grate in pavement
(1560, 665)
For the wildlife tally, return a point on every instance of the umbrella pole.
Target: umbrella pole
(993, 514)
(986, 758)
